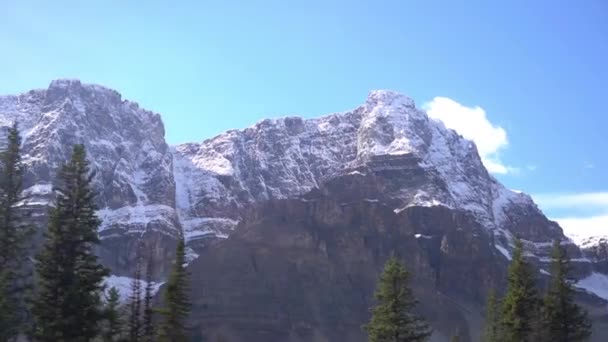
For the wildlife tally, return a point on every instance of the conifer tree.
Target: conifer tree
(176, 305)
(67, 304)
(14, 237)
(492, 320)
(563, 319)
(520, 307)
(8, 329)
(113, 329)
(135, 326)
(148, 326)
(393, 319)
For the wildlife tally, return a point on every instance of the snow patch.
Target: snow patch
(200, 227)
(137, 218)
(191, 255)
(38, 189)
(123, 285)
(36, 195)
(356, 173)
(548, 260)
(504, 251)
(595, 283)
(421, 199)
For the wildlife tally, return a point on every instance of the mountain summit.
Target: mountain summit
(418, 183)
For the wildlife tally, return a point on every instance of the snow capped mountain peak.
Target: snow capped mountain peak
(64, 83)
(287, 157)
(275, 158)
(391, 124)
(125, 143)
(198, 189)
(388, 98)
(71, 86)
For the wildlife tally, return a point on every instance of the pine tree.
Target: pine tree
(176, 306)
(14, 237)
(563, 319)
(135, 326)
(392, 318)
(67, 304)
(113, 329)
(8, 329)
(148, 326)
(520, 307)
(492, 323)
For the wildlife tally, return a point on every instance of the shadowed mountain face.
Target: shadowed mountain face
(305, 269)
(289, 221)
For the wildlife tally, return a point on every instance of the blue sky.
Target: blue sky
(533, 70)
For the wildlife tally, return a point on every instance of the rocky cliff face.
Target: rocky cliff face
(423, 187)
(305, 269)
(129, 155)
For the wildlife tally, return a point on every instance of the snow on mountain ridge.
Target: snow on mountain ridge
(391, 122)
(125, 143)
(303, 151)
(289, 156)
(197, 189)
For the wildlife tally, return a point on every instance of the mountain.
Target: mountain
(128, 153)
(289, 221)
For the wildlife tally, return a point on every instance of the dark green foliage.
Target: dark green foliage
(135, 326)
(113, 328)
(521, 304)
(393, 318)
(14, 238)
(148, 325)
(563, 320)
(7, 307)
(492, 328)
(176, 305)
(67, 304)
(455, 338)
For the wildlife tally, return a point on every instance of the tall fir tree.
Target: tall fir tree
(176, 304)
(113, 331)
(148, 324)
(521, 304)
(14, 240)
(392, 318)
(563, 319)
(67, 304)
(135, 324)
(8, 330)
(491, 331)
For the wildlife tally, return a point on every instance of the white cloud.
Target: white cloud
(587, 200)
(582, 215)
(472, 123)
(580, 228)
